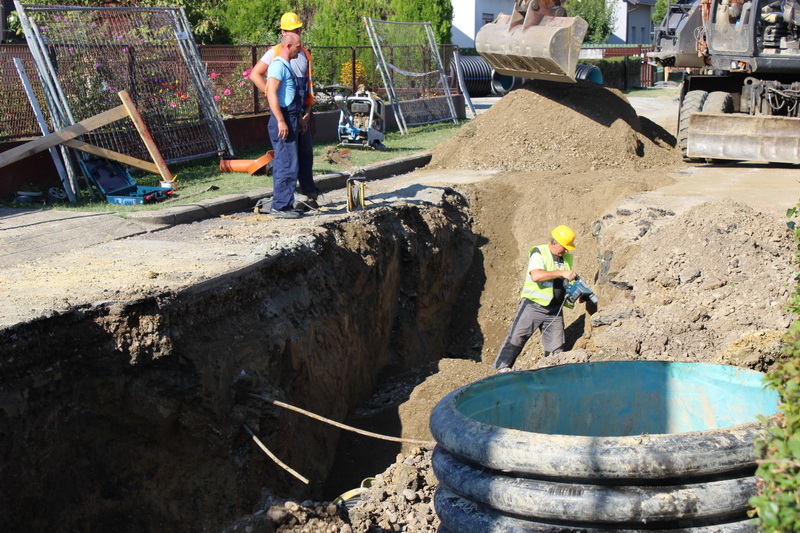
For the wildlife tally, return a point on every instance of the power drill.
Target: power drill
(577, 288)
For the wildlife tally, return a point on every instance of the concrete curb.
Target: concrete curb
(185, 214)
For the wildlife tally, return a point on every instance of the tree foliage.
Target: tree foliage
(598, 13)
(201, 14)
(341, 22)
(659, 11)
(251, 21)
(326, 22)
(438, 12)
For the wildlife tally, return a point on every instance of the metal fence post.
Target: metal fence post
(353, 68)
(253, 60)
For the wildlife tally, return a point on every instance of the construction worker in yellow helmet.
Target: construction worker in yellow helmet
(542, 298)
(301, 66)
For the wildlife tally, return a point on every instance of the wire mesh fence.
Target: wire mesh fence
(85, 56)
(17, 120)
(412, 70)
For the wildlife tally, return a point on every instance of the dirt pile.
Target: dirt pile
(336, 156)
(554, 126)
(715, 280)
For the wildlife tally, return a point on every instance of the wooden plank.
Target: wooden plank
(145, 135)
(114, 156)
(70, 132)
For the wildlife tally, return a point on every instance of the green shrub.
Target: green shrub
(252, 21)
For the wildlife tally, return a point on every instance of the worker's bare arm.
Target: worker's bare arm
(258, 74)
(538, 275)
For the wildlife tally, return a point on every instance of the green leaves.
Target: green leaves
(598, 13)
(438, 12)
(659, 12)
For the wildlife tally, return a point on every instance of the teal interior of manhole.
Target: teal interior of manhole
(619, 398)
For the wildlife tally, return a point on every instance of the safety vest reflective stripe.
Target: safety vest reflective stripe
(537, 296)
(542, 293)
(310, 99)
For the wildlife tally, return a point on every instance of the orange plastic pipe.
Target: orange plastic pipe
(251, 166)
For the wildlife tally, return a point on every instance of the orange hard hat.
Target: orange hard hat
(564, 236)
(290, 21)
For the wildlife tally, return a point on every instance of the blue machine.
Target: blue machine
(577, 288)
(362, 116)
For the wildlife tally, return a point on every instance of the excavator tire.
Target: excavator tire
(718, 102)
(692, 102)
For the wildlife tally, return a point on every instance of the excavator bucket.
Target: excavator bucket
(533, 46)
(744, 137)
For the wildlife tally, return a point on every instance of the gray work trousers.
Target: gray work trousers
(530, 317)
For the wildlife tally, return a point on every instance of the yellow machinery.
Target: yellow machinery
(536, 41)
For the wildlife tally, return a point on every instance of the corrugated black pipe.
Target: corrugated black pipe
(502, 84)
(477, 75)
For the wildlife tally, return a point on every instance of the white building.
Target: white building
(632, 21)
(470, 15)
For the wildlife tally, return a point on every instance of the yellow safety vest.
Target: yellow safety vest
(542, 293)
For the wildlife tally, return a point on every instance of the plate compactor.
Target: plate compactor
(362, 116)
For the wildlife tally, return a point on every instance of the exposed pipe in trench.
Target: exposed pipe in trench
(279, 403)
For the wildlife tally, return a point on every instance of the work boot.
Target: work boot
(291, 213)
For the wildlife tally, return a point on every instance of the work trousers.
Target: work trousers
(305, 175)
(285, 164)
(530, 317)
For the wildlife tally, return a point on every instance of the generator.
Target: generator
(362, 116)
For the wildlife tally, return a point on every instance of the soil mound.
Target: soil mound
(556, 126)
(715, 290)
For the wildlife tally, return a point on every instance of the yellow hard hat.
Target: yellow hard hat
(564, 236)
(290, 21)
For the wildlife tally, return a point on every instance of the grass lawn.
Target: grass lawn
(655, 92)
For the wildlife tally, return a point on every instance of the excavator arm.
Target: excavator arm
(536, 41)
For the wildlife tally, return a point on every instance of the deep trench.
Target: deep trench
(129, 416)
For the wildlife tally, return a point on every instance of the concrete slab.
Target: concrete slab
(769, 188)
(32, 234)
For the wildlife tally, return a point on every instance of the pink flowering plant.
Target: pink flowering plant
(233, 90)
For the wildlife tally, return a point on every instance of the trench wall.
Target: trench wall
(128, 416)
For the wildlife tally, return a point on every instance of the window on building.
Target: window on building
(632, 38)
(487, 18)
(645, 40)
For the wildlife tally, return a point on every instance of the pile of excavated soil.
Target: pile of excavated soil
(558, 127)
(712, 286)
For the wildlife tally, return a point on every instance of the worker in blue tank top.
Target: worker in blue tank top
(301, 65)
(286, 108)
